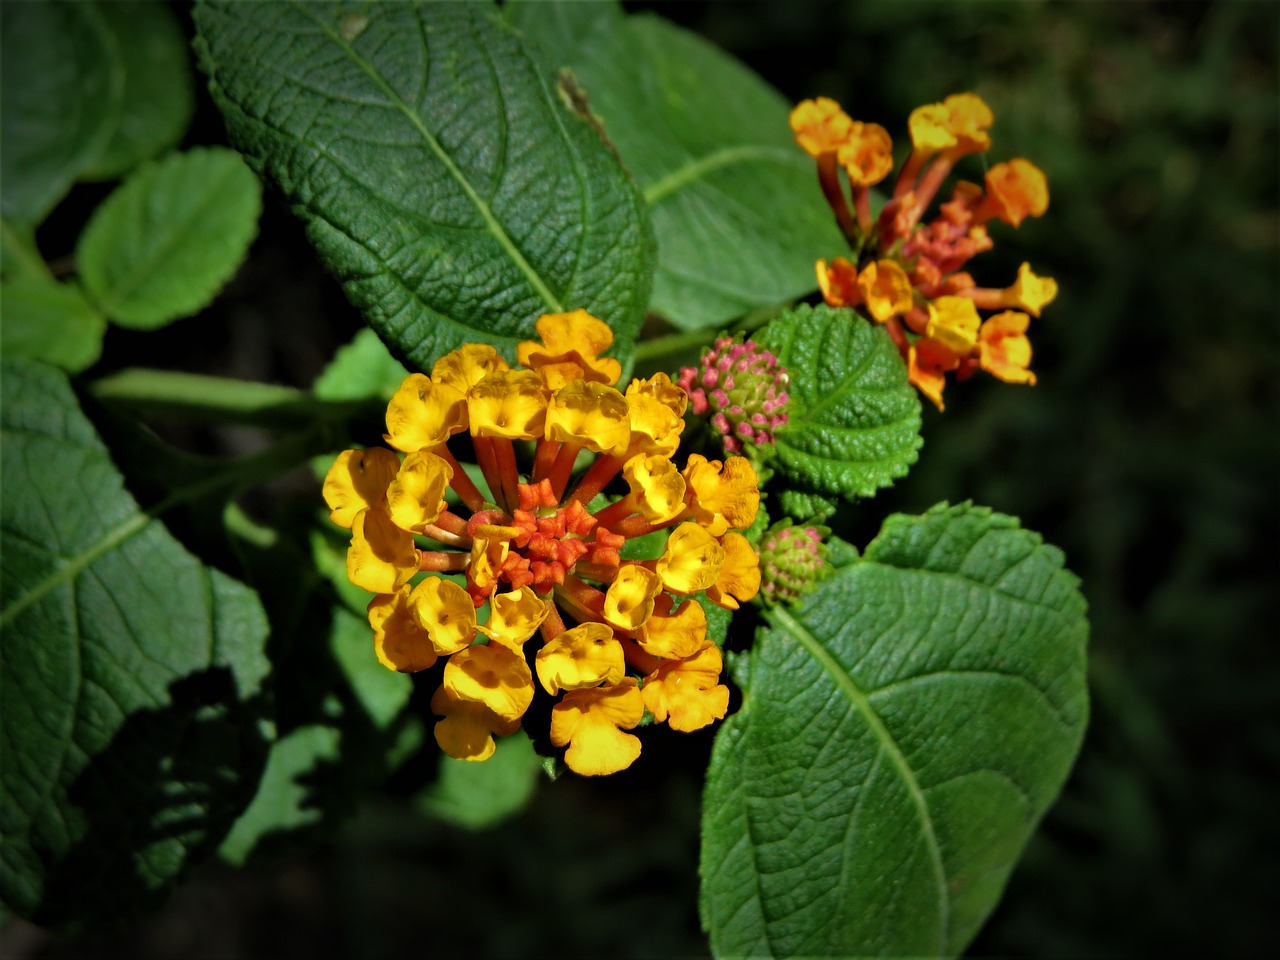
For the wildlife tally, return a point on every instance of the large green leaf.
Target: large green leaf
(735, 203)
(901, 735)
(441, 175)
(854, 420)
(164, 243)
(159, 92)
(60, 88)
(130, 676)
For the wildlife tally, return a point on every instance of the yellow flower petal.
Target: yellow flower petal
(491, 675)
(490, 545)
(589, 721)
(445, 611)
(509, 403)
(820, 126)
(382, 557)
(657, 488)
(585, 656)
(629, 599)
(357, 481)
(1003, 348)
(467, 730)
(721, 495)
(738, 579)
(463, 368)
(570, 350)
(886, 289)
(954, 322)
(657, 409)
(927, 364)
(680, 635)
(838, 281)
(398, 641)
(1015, 190)
(592, 414)
(868, 156)
(1032, 293)
(956, 126)
(687, 693)
(692, 559)
(415, 497)
(424, 414)
(514, 617)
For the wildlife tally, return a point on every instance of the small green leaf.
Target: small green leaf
(163, 244)
(736, 207)
(130, 677)
(60, 87)
(159, 92)
(476, 795)
(901, 734)
(442, 178)
(383, 693)
(362, 369)
(804, 505)
(854, 420)
(50, 321)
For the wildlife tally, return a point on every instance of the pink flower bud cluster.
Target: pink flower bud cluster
(743, 387)
(792, 562)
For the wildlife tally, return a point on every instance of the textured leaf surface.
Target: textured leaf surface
(901, 735)
(159, 92)
(50, 321)
(854, 421)
(735, 203)
(444, 181)
(60, 89)
(129, 677)
(163, 244)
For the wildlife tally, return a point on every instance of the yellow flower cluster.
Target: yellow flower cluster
(908, 275)
(611, 638)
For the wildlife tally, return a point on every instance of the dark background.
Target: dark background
(1149, 451)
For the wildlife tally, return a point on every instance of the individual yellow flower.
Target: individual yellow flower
(886, 289)
(954, 322)
(738, 579)
(415, 498)
(382, 557)
(468, 727)
(657, 487)
(570, 350)
(867, 156)
(1015, 190)
(358, 480)
(591, 722)
(691, 561)
(445, 611)
(629, 600)
(674, 637)
(820, 126)
(838, 281)
(721, 495)
(1004, 350)
(492, 675)
(489, 550)
(591, 414)
(463, 368)
(585, 656)
(656, 407)
(423, 413)
(928, 363)
(515, 617)
(956, 127)
(687, 693)
(1030, 292)
(508, 403)
(398, 641)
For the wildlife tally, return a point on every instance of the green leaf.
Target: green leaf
(736, 207)
(50, 321)
(442, 178)
(130, 677)
(60, 88)
(383, 693)
(854, 420)
(478, 795)
(805, 505)
(163, 244)
(360, 370)
(159, 93)
(901, 735)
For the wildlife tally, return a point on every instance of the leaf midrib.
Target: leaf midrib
(862, 704)
(699, 167)
(491, 222)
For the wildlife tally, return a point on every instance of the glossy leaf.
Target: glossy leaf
(164, 243)
(130, 677)
(901, 734)
(159, 89)
(441, 175)
(50, 321)
(736, 207)
(60, 89)
(854, 420)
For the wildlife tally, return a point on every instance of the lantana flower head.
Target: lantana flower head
(522, 590)
(911, 274)
(742, 388)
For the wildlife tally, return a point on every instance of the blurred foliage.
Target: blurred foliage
(1149, 451)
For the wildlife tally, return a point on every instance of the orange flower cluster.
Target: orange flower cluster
(611, 635)
(909, 275)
